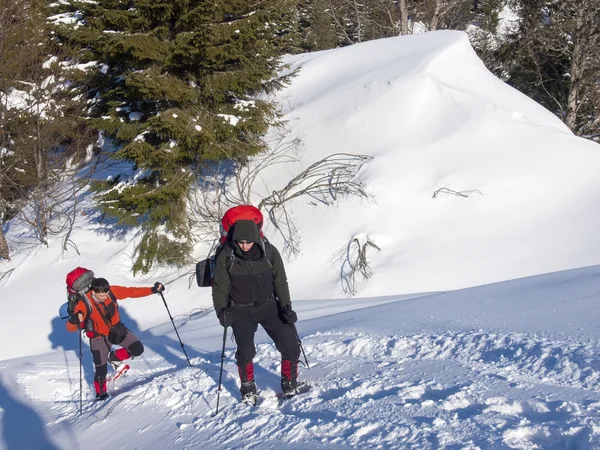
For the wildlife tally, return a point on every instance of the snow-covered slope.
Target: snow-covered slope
(506, 365)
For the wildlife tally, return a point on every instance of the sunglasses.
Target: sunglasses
(244, 242)
(101, 291)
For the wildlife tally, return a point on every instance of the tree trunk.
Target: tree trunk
(403, 17)
(359, 23)
(576, 72)
(435, 18)
(573, 97)
(4, 251)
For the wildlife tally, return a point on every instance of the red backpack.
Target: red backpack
(242, 212)
(78, 284)
(79, 280)
(205, 269)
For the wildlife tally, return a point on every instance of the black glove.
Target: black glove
(74, 319)
(225, 317)
(158, 287)
(287, 314)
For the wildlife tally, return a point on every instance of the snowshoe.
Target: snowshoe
(250, 398)
(121, 370)
(301, 388)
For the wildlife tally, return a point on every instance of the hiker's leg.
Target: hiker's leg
(100, 349)
(131, 346)
(283, 334)
(244, 327)
(284, 337)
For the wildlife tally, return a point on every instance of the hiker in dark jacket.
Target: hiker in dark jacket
(250, 288)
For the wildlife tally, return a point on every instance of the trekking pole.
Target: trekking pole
(300, 344)
(221, 372)
(176, 332)
(80, 376)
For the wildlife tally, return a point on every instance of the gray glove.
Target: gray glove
(225, 317)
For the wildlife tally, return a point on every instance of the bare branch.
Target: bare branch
(324, 181)
(465, 194)
(354, 264)
(5, 276)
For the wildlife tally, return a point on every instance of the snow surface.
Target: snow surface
(437, 350)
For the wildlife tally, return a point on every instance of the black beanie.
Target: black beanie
(246, 230)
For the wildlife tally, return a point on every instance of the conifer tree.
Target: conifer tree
(175, 85)
(554, 57)
(41, 136)
(486, 14)
(315, 26)
(486, 35)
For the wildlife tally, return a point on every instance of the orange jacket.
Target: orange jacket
(105, 315)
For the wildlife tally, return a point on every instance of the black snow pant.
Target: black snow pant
(245, 323)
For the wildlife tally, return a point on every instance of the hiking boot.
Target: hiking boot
(248, 391)
(248, 387)
(100, 387)
(289, 374)
(289, 388)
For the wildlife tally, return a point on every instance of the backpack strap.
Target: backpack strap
(229, 258)
(230, 255)
(113, 297)
(74, 298)
(268, 252)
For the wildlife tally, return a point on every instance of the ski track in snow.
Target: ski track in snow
(446, 390)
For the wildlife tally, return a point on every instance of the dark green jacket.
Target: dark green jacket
(247, 279)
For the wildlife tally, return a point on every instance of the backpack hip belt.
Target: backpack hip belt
(245, 305)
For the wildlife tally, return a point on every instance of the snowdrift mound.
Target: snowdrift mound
(473, 182)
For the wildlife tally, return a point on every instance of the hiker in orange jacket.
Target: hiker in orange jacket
(100, 318)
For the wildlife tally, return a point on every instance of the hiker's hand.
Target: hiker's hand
(287, 314)
(158, 287)
(225, 317)
(76, 319)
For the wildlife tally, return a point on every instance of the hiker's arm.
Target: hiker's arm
(76, 318)
(221, 283)
(122, 292)
(280, 283)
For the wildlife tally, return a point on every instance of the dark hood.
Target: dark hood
(246, 230)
